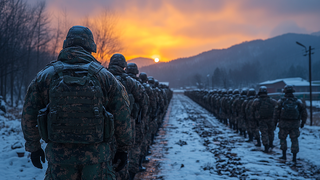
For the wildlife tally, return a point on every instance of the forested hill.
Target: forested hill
(243, 64)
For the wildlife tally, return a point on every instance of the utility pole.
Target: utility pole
(309, 53)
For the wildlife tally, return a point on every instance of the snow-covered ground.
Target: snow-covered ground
(314, 104)
(197, 146)
(192, 145)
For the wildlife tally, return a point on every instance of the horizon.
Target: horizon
(170, 30)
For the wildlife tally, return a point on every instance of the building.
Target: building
(300, 85)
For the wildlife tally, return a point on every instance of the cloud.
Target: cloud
(287, 27)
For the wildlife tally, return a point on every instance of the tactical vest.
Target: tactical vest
(76, 112)
(266, 109)
(290, 109)
(123, 80)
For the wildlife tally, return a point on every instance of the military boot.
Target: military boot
(244, 134)
(230, 125)
(294, 158)
(141, 168)
(145, 160)
(250, 137)
(241, 132)
(266, 149)
(258, 142)
(236, 128)
(284, 155)
(271, 144)
(131, 174)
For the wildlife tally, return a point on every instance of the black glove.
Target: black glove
(302, 125)
(35, 158)
(123, 157)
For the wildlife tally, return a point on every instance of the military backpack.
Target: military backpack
(266, 109)
(290, 109)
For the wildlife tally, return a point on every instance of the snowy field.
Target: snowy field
(192, 145)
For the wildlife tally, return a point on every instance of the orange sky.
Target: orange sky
(170, 29)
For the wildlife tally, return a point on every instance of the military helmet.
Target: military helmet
(230, 91)
(150, 80)
(244, 91)
(80, 36)
(215, 91)
(263, 90)
(132, 68)
(223, 91)
(251, 92)
(288, 89)
(236, 91)
(118, 59)
(156, 83)
(143, 76)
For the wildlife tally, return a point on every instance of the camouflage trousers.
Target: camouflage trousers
(266, 127)
(242, 123)
(294, 133)
(253, 128)
(80, 172)
(135, 155)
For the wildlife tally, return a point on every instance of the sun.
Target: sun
(156, 60)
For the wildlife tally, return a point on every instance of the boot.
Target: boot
(258, 142)
(131, 174)
(266, 149)
(148, 151)
(294, 158)
(244, 134)
(284, 155)
(141, 168)
(230, 125)
(250, 137)
(236, 128)
(241, 133)
(271, 144)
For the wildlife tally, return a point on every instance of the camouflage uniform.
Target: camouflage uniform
(251, 122)
(262, 111)
(290, 126)
(87, 161)
(133, 87)
(240, 115)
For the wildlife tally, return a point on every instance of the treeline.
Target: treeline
(24, 39)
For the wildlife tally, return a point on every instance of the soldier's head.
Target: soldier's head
(263, 90)
(156, 83)
(80, 36)
(119, 60)
(230, 91)
(236, 91)
(132, 68)
(219, 91)
(143, 76)
(244, 91)
(215, 91)
(288, 89)
(251, 92)
(150, 80)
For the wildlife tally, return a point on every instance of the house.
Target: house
(300, 85)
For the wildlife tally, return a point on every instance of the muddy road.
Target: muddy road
(193, 144)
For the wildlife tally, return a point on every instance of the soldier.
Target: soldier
(239, 113)
(71, 105)
(262, 111)
(136, 96)
(2, 106)
(288, 113)
(140, 116)
(250, 123)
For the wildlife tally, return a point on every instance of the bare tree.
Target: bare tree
(107, 38)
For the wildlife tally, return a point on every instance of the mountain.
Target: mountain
(141, 61)
(242, 64)
(316, 33)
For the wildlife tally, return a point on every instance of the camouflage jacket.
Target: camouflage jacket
(152, 99)
(37, 98)
(290, 123)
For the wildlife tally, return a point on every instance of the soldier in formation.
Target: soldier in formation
(257, 116)
(96, 121)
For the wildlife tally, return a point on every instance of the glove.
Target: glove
(302, 125)
(35, 158)
(123, 157)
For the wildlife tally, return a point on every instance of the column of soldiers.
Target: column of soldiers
(98, 123)
(256, 116)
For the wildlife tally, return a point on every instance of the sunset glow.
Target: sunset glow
(175, 29)
(156, 60)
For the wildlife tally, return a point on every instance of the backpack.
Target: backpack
(290, 109)
(123, 79)
(76, 112)
(266, 109)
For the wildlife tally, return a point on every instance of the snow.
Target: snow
(195, 146)
(289, 81)
(314, 104)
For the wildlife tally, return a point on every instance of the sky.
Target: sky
(171, 29)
